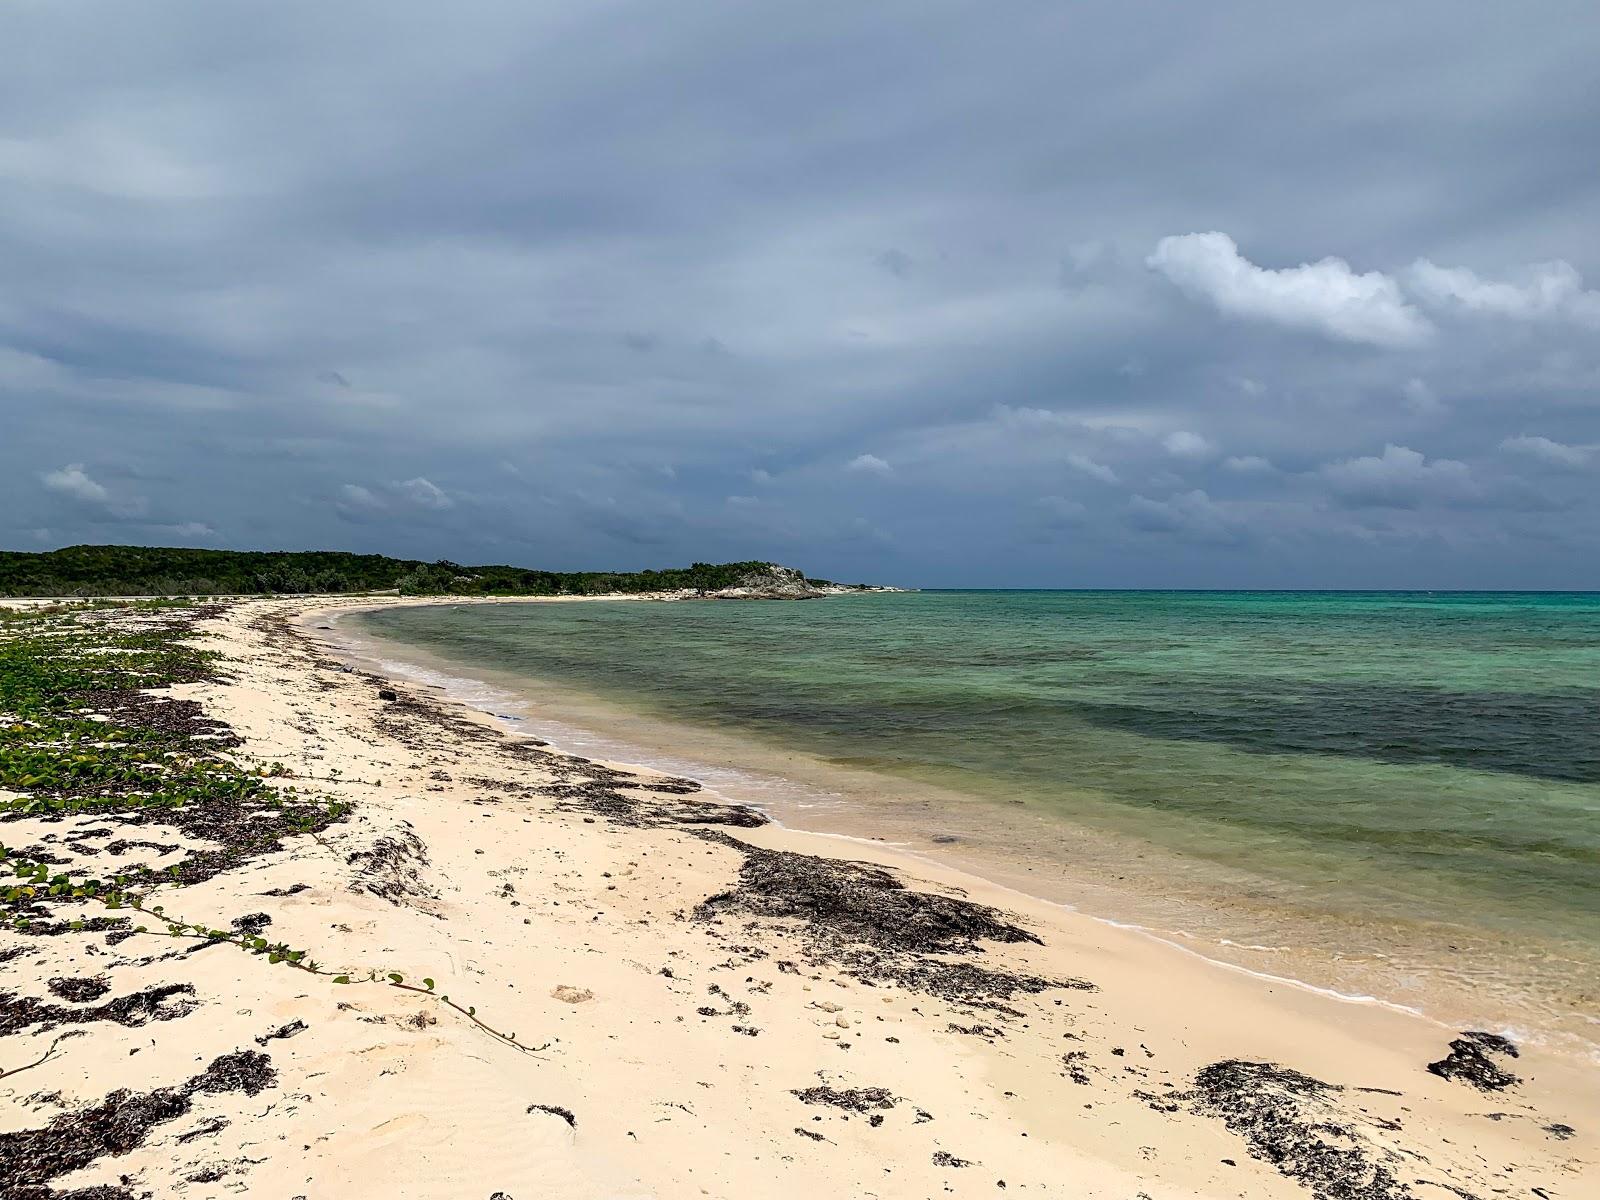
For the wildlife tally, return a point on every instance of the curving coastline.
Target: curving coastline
(711, 1004)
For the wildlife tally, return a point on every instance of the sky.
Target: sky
(937, 294)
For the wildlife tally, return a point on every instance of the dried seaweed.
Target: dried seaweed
(166, 1003)
(1286, 1119)
(30, 1158)
(1469, 1061)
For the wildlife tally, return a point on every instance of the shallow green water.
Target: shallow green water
(1415, 756)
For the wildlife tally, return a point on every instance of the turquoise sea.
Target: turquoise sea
(1388, 792)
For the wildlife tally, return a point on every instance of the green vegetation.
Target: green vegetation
(85, 736)
(164, 571)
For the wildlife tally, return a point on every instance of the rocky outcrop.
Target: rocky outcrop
(775, 582)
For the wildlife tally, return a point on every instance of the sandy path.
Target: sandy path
(680, 990)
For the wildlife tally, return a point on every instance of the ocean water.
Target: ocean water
(1391, 793)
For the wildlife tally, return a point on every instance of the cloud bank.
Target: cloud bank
(859, 288)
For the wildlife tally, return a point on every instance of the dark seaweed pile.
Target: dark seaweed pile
(166, 1003)
(856, 1100)
(858, 903)
(865, 921)
(1286, 1120)
(80, 991)
(578, 785)
(1469, 1061)
(31, 1158)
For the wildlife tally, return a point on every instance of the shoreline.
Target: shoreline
(1093, 898)
(924, 861)
(711, 1005)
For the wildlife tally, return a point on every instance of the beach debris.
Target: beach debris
(555, 1110)
(165, 1003)
(1288, 1119)
(1074, 1061)
(207, 1129)
(865, 921)
(294, 889)
(599, 793)
(1469, 1061)
(388, 694)
(31, 1158)
(856, 1100)
(283, 1031)
(80, 991)
(858, 902)
(390, 869)
(943, 1158)
(571, 995)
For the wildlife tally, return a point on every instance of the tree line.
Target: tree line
(173, 571)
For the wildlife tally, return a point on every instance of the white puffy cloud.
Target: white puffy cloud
(1399, 478)
(425, 493)
(72, 480)
(1325, 297)
(1547, 291)
(870, 463)
(356, 501)
(1545, 450)
(1184, 444)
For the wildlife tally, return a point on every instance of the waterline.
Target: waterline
(1267, 901)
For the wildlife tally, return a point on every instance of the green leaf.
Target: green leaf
(428, 983)
(341, 979)
(395, 977)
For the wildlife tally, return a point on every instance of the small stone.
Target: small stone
(571, 995)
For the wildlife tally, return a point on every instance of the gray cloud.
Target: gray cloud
(1400, 478)
(1548, 291)
(1547, 451)
(550, 284)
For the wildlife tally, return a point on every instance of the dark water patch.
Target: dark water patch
(1554, 737)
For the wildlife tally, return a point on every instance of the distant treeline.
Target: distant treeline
(162, 571)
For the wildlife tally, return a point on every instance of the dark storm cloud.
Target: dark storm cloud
(933, 292)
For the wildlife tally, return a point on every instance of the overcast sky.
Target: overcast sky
(1031, 294)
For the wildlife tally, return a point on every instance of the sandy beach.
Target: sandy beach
(655, 995)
